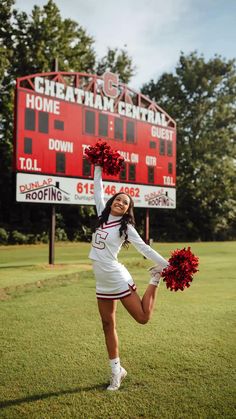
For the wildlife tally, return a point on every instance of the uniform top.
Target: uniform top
(106, 241)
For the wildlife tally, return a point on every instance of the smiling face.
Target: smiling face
(120, 205)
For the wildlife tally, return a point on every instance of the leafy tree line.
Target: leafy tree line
(199, 95)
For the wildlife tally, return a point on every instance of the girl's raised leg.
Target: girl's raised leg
(141, 309)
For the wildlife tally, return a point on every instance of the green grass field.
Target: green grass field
(53, 358)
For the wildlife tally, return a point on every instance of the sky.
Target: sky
(154, 32)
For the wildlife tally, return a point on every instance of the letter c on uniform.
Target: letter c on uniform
(110, 84)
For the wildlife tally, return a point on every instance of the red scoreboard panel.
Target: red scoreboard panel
(59, 114)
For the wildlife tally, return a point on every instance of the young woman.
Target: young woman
(115, 227)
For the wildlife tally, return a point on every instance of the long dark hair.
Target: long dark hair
(127, 218)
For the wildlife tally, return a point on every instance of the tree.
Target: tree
(6, 105)
(117, 62)
(5, 37)
(44, 36)
(201, 97)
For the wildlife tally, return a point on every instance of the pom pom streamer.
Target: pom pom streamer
(179, 273)
(102, 155)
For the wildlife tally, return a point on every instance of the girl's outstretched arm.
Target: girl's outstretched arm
(143, 248)
(98, 190)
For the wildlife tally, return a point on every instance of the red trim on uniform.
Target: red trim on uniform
(115, 298)
(117, 293)
(105, 226)
(112, 222)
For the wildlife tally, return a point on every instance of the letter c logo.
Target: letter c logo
(110, 84)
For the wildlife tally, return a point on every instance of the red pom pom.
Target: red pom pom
(102, 154)
(179, 273)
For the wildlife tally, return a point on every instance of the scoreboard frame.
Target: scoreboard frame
(59, 114)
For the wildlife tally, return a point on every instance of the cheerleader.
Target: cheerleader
(115, 228)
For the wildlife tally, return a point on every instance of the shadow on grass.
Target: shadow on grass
(36, 397)
(16, 266)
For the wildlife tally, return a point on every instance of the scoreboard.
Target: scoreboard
(59, 114)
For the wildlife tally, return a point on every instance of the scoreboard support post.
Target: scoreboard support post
(147, 224)
(52, 235)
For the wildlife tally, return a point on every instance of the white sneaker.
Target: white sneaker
(155, 272)
(116, 379)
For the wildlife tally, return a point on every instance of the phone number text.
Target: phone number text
(88, 188)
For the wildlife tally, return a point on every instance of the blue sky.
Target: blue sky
(154, 32)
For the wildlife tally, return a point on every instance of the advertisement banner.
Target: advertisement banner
(35, 188)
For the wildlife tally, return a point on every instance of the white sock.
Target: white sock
(155, 280)
(115, 365)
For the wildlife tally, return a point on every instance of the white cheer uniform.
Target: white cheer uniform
(113, 281)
